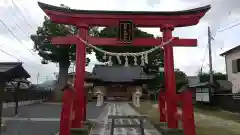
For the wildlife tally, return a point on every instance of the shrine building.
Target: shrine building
(117, 81)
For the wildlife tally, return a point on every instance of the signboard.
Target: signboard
(125, 31)
(202, 94)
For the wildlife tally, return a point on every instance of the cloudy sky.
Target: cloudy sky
(22, 17)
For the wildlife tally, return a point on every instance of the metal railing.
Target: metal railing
(140, 125)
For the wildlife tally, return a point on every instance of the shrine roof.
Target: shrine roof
(88, 76)
(107, 12)
(13, 70)
(120, 73)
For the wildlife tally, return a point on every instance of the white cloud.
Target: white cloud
(187, 59)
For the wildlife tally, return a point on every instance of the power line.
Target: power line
(229, 23)
(13, 56)
(16, 37)
(205, 54)
(27, 13)
(19, 41)
(9, 54)
(18, 59)
(14, 14)
(229, 27)
(222, 31)
(20, 12)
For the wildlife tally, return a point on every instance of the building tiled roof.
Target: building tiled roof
(224, 84)
(230, 51)
(13, 70)
(88, 76)
(120, 73)
(219, 85)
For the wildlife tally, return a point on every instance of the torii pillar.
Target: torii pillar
(80, 101)
(169, 77)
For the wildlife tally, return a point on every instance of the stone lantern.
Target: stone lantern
(137, 96)
(99, 98)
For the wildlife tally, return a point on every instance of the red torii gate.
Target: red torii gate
(84, 19)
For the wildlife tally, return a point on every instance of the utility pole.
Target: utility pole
(38, 77)
(210, 55)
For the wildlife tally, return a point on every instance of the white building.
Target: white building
(232, 59)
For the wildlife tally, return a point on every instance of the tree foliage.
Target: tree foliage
(154, 58)
(205, 77)
(62, 54)
(158, 82)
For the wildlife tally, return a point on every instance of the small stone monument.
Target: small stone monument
(99, 98)
(137, 96)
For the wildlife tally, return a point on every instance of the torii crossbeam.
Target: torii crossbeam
(68, 40)
(166, 21)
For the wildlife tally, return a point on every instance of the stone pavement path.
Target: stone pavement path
(104, 125)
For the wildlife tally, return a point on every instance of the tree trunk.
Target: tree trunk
(63, 74)
(62, 79)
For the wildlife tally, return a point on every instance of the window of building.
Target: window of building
(236, 66)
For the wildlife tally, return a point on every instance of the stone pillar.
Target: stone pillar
(137, 95)
(98, 100)
(99, 95)
(101, 99)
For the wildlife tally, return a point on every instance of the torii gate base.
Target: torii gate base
(185, 114)
(66, 113)
(167, 21)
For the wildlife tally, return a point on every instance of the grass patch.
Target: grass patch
(88, 125)
(202, 127)
(217, 112)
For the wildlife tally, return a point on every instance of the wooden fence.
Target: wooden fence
(25, 95)
(226, 102)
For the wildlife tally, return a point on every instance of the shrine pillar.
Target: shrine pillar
(80, 100)
(169, 77)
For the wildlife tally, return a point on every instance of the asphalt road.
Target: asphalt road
(17, 127)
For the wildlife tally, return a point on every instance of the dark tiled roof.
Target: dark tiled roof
(169, 13)
(224, 84)
(219, 85)
(13, 70)
(120, 73)
(200, 85)
(230, 51)
(88, 76)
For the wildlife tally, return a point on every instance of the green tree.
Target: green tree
(158, 82)
(180, 77)
(62, 54)
(154, 59)
(205, 77)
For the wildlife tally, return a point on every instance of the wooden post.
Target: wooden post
(141, 127)
(16, 92)
(2, 85)
(113, 126)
